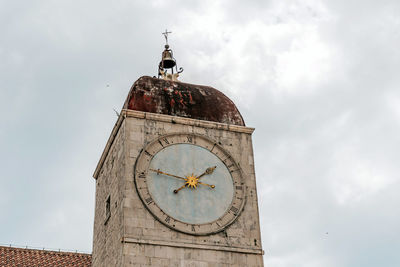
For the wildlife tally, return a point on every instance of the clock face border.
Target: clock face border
(141, 171)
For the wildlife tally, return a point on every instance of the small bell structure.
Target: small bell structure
(168, 62)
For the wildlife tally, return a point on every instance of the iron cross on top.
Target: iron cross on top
(166, 35)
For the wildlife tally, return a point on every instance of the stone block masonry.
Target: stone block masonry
(131, 236)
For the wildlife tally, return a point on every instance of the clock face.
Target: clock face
(190, 183)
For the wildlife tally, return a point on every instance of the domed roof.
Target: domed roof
(182, 99)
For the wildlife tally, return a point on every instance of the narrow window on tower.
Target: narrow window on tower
(108, 209)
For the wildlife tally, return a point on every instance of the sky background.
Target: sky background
(319, 80)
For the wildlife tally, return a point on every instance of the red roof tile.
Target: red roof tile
(21, 257)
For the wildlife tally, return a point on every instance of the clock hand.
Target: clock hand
(175, 176)
(209, 170)
(192, 182)
(210, 185)
(177, 190)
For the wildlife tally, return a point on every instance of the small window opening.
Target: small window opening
(108, 209)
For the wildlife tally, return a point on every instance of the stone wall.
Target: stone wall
(147, 242)
(165, 256)
(131, 236)
(108, 230)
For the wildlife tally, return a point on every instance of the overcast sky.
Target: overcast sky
(319, 80)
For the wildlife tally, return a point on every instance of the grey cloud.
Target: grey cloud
(326, 147)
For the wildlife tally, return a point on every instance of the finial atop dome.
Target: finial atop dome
(168, 62)
(166, 36)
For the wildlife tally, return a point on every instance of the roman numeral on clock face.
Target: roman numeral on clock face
(234, 209)
(168, 219)
(148, 200)
(213, 147)
(148, 153)
(142, 175)
(160, 143)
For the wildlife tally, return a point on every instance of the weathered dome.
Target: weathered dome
(182, 99)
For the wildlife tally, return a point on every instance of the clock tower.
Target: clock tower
(175, 185)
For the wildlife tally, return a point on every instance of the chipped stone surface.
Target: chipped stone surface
(107, 246)
(133, 237)
(182, 99)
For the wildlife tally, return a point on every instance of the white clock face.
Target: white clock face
(190, 183)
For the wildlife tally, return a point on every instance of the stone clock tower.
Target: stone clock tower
(175, 185)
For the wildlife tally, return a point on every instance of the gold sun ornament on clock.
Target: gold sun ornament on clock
(191, 181)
